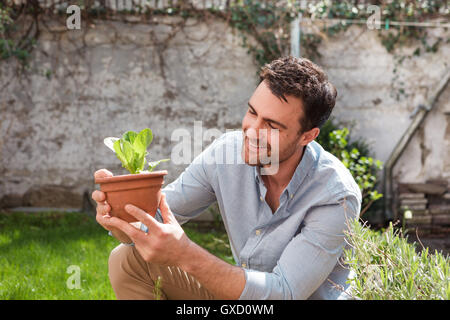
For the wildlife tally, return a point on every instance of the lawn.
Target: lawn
(40, 254)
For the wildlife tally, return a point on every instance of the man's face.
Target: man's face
(270, 126)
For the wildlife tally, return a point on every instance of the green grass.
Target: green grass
(37, 249)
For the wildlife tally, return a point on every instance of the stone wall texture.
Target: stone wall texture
(83, 86)
(113, 76)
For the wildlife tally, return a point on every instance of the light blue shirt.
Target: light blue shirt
(293, 253)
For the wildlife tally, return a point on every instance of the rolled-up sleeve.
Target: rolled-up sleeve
(192, 192)
(309, 257)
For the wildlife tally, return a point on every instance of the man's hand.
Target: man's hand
(164, 244)
(167, 244)
(103, 209)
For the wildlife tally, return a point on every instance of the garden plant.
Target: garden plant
(141, 188)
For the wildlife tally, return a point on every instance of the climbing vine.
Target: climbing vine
(264, 26)
(267, 22)
(10, 45)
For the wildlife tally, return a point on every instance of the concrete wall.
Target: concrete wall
(427, 156)
(363, 72)
(85, 85)
(378, 96)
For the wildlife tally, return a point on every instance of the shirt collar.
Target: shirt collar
(302, 170)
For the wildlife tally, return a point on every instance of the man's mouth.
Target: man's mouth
(254, 145)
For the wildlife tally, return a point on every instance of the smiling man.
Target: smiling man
(285, 204)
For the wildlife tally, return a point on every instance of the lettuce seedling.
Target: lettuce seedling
(131, 150)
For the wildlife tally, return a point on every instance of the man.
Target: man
(286, 228)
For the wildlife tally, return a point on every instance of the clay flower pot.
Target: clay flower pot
(142, 190)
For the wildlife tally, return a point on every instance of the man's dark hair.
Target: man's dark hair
(301, 78)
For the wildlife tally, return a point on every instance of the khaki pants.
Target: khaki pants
(134, 279)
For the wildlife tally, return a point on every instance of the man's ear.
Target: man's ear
(309, 136)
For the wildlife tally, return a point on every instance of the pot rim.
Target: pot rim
(131, 177)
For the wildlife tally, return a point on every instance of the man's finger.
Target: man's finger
(132, 232)
(166, 214)
(102, 173)
(98, 196)
(103, 209)
(142, 216)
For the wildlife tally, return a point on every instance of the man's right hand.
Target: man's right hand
(103, 209)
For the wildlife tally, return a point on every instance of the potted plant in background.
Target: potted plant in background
(141, 188)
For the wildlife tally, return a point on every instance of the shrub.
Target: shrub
(355, 156)
(387, 267)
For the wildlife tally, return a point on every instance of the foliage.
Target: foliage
(387, 267)
(268, 22)
(214, 240)
(5, 19)
(131, 150)
(269, 26)
(355, 156)
(10, 44)
(392, 36)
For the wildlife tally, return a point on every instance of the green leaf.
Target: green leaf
(128, 153)
(152, 165)
(131, 150)
(142, 141)
(139, 162)
(118, 149)
(129, 136)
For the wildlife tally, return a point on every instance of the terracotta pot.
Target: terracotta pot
(142, 190)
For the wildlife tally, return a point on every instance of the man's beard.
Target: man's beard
(265, 156)
(256, 153)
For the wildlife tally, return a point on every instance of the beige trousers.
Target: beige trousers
(134, 279)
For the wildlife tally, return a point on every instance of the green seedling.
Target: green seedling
(131, 150)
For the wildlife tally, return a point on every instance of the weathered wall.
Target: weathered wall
(378, 95)
(85, 85)
(363, 72)
(427, 156)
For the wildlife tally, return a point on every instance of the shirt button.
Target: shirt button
(244, 265)
(258, 232)
(291, 196)
(261, 198)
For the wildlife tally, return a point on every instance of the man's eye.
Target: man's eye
(271, 125)
(251, 111)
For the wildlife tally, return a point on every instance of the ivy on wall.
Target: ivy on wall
(268, 22)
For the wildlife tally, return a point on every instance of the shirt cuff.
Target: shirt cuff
(257, 285)
(261, 285)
